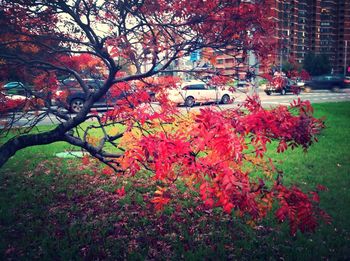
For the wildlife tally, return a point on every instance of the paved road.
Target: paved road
(267, 101)
(276, 99)
(314, 97)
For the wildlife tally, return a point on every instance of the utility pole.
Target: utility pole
(345, 56)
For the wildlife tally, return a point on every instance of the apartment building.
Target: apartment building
(318, 26)
(301, 27)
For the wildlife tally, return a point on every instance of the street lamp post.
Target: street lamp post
(345, 56)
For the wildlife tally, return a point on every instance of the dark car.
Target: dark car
(286, 85)
(326, 82)
(71, 96)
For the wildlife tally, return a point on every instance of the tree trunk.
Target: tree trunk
(10, 148)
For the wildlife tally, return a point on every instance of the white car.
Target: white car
(196, 91)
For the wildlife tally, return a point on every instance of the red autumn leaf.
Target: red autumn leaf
(321, 188)
(85, 160)
(315, 197)
(120, 191)
(107, 171)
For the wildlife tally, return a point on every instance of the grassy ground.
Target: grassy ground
(56, 209)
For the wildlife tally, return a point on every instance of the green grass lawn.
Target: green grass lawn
(57, 209)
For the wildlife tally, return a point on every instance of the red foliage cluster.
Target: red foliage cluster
(304, 75)
(217, 21)
(12, 103)
(138, 95)
(8, 105)
(45, 83)
(279, 82)
(85, 62)
(209, 154)
(299, 208)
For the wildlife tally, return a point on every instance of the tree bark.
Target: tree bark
(15, 144)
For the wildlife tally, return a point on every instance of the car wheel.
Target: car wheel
(76, 105)
(268, 93)
(335, 88)
(307, 89)
(225, 99)
(189, 102)
(283, 91)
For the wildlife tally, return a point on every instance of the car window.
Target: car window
(94, 84)
(13, 85)
(91, 83)
(194, 87)
(68, 82)
(14, 88)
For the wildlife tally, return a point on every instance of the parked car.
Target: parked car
(323, 82)
(283, 86)
(196, 91)
(71, 96)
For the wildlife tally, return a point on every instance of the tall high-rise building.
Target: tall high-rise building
(317, 26)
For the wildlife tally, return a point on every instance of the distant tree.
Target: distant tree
(287, 66)
(291, 68)
(317, 64)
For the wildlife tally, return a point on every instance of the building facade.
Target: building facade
(317, 26)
